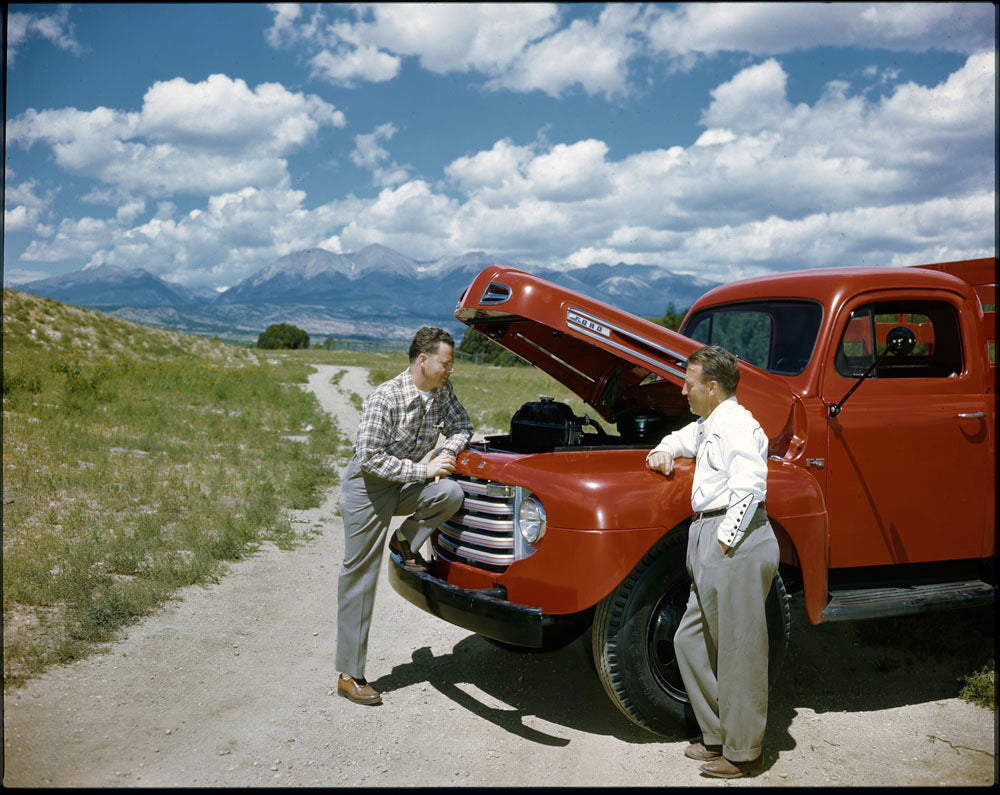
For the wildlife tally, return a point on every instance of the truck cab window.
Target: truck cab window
(938, 352)
(777, 336)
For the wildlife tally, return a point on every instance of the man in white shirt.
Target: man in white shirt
(732, 556)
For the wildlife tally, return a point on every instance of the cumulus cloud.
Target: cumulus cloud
(695, 29)
(196, 138)
(23, 207)
(593, 56)
(515, 46)
(55, 28)
(369, 154)
(527, 47)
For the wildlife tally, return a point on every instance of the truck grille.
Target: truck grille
(482, 532)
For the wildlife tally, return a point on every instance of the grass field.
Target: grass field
(136, 461)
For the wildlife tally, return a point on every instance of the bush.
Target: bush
(282, 335)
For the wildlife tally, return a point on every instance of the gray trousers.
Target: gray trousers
(367, 505)
(721, 641)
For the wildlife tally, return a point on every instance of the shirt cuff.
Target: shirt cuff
(738, 517)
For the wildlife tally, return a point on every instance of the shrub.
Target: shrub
(282, 335)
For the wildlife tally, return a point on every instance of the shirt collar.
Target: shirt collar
(719, 411)
(410, 391)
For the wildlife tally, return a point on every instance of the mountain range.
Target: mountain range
(375, 293)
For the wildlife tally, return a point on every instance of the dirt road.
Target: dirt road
(232, 685)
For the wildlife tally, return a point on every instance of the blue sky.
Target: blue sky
(203, 141)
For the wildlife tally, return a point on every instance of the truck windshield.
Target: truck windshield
(777, 336)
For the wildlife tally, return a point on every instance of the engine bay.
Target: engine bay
(550, 426)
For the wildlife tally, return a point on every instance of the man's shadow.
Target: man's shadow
(560, 687)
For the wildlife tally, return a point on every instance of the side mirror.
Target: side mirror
(899, 342)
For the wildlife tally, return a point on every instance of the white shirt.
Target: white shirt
(730, 452)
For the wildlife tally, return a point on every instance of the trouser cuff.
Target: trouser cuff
(740, 756)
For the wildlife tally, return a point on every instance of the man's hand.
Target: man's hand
(723, 547)
(441, 465)
(660, 462)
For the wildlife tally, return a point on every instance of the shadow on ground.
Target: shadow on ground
(845, 667)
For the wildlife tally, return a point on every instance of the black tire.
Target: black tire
(633, 638)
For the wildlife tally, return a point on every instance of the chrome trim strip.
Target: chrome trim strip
(466, 536)
(627, 334)
(630, 351)
(487, 507)
(475, 554)
(482, 523)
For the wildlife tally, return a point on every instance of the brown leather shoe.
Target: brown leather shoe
(723, 768)
(411, 560)
(703, 753)
(358, 691)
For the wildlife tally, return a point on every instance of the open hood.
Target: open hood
(613, 360)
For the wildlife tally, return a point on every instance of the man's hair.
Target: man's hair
(717, 364)
(428, 340)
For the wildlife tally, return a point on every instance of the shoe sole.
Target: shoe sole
(747, 773)
(364, 703)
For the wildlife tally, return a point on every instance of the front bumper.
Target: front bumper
(487, 612)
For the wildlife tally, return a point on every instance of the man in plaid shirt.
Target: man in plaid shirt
(400, 423)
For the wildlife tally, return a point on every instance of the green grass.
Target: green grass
(137, 461)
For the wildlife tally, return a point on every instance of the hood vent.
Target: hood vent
(495, 293)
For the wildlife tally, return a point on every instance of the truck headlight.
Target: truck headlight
(531, 520)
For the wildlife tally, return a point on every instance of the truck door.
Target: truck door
(909, 475)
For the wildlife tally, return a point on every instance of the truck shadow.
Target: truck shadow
(874, 665)
(845, 667)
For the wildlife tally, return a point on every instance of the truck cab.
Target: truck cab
(875, 388)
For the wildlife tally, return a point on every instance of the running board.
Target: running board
(853, 605)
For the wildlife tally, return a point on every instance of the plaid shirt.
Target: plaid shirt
(397, 429)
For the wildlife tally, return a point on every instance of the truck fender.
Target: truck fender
(796, 509)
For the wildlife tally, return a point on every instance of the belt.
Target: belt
(699, 515)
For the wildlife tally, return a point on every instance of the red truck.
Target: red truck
(876, 389)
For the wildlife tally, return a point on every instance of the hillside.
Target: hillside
(31, 322)
(136, 461)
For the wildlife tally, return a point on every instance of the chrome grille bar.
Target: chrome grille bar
(482, 532)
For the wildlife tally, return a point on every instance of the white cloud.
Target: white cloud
(571, 173)
(752, 100)
(695, 29)
(54, 28)
(197, 138)
(525, 46)
(369, 154)
(222, 112)
(26, 207)
(516, 46)
(347, 67)
(283, 27)
(591, 55)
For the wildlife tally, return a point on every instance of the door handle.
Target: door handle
(972, 415)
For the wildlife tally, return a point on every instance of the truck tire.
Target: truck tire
(633, 638)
